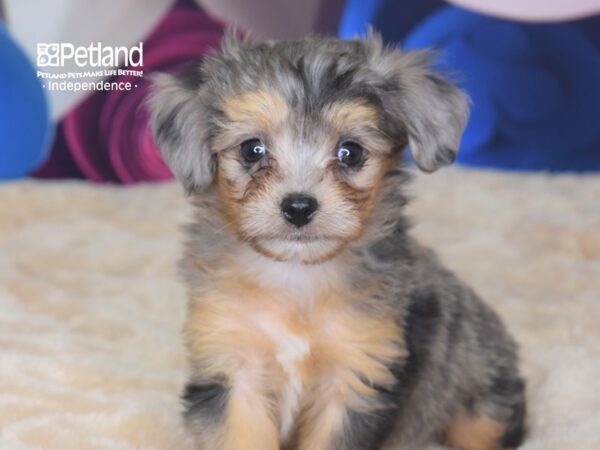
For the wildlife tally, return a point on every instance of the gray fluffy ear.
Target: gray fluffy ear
(179, 127)
(434, 111)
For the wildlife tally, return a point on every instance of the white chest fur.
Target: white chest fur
(289, 322)
(291, 352)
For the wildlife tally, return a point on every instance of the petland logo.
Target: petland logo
(95, 55)
(103, 68)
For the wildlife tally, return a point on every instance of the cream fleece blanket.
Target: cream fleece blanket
(91, 307)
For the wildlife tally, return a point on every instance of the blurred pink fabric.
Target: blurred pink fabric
(108, 134)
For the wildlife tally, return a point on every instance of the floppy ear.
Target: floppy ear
(434, 111)
(180, 127)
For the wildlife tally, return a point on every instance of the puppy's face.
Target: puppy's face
(296, 138)
(299, 184)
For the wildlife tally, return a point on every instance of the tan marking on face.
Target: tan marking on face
(228, 206)
(361, 187)
(469, 432)
(262, 109)
(243, 198)
(385, 165)
(351, 115)
(365, 198)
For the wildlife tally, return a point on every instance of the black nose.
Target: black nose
(299, 209)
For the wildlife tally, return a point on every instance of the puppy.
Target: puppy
(315, 321)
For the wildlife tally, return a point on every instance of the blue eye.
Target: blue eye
(252, 150)
(350, 154)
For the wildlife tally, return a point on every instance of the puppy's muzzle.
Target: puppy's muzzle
(299, 209)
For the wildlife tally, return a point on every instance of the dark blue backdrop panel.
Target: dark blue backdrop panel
(535, 87)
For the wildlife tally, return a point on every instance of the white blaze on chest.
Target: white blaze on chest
(291, 351)
(296, 285)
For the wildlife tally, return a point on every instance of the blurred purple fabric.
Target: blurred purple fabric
(60, 164)
(107, 137)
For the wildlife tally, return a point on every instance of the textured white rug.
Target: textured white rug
(91, 306)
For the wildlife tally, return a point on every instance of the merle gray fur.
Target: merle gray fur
(310, 73)
(461, 357)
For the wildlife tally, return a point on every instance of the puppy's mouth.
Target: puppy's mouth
(307, 248)
(297, 236)
(304, 238)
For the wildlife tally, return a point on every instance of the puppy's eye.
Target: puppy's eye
(350, 154)
(252, 150)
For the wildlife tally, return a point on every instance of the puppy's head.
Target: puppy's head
(296, 138)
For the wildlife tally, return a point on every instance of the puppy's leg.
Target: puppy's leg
(495, 422)
(321, 423)
(230, 403)
(331, 423)
(351, 403)
(474, 432)
(234, 417)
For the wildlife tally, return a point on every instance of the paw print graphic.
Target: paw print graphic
(48, 55)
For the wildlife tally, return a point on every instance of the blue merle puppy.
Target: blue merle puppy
(315, 321)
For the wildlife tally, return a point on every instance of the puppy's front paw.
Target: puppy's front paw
(222, 418)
